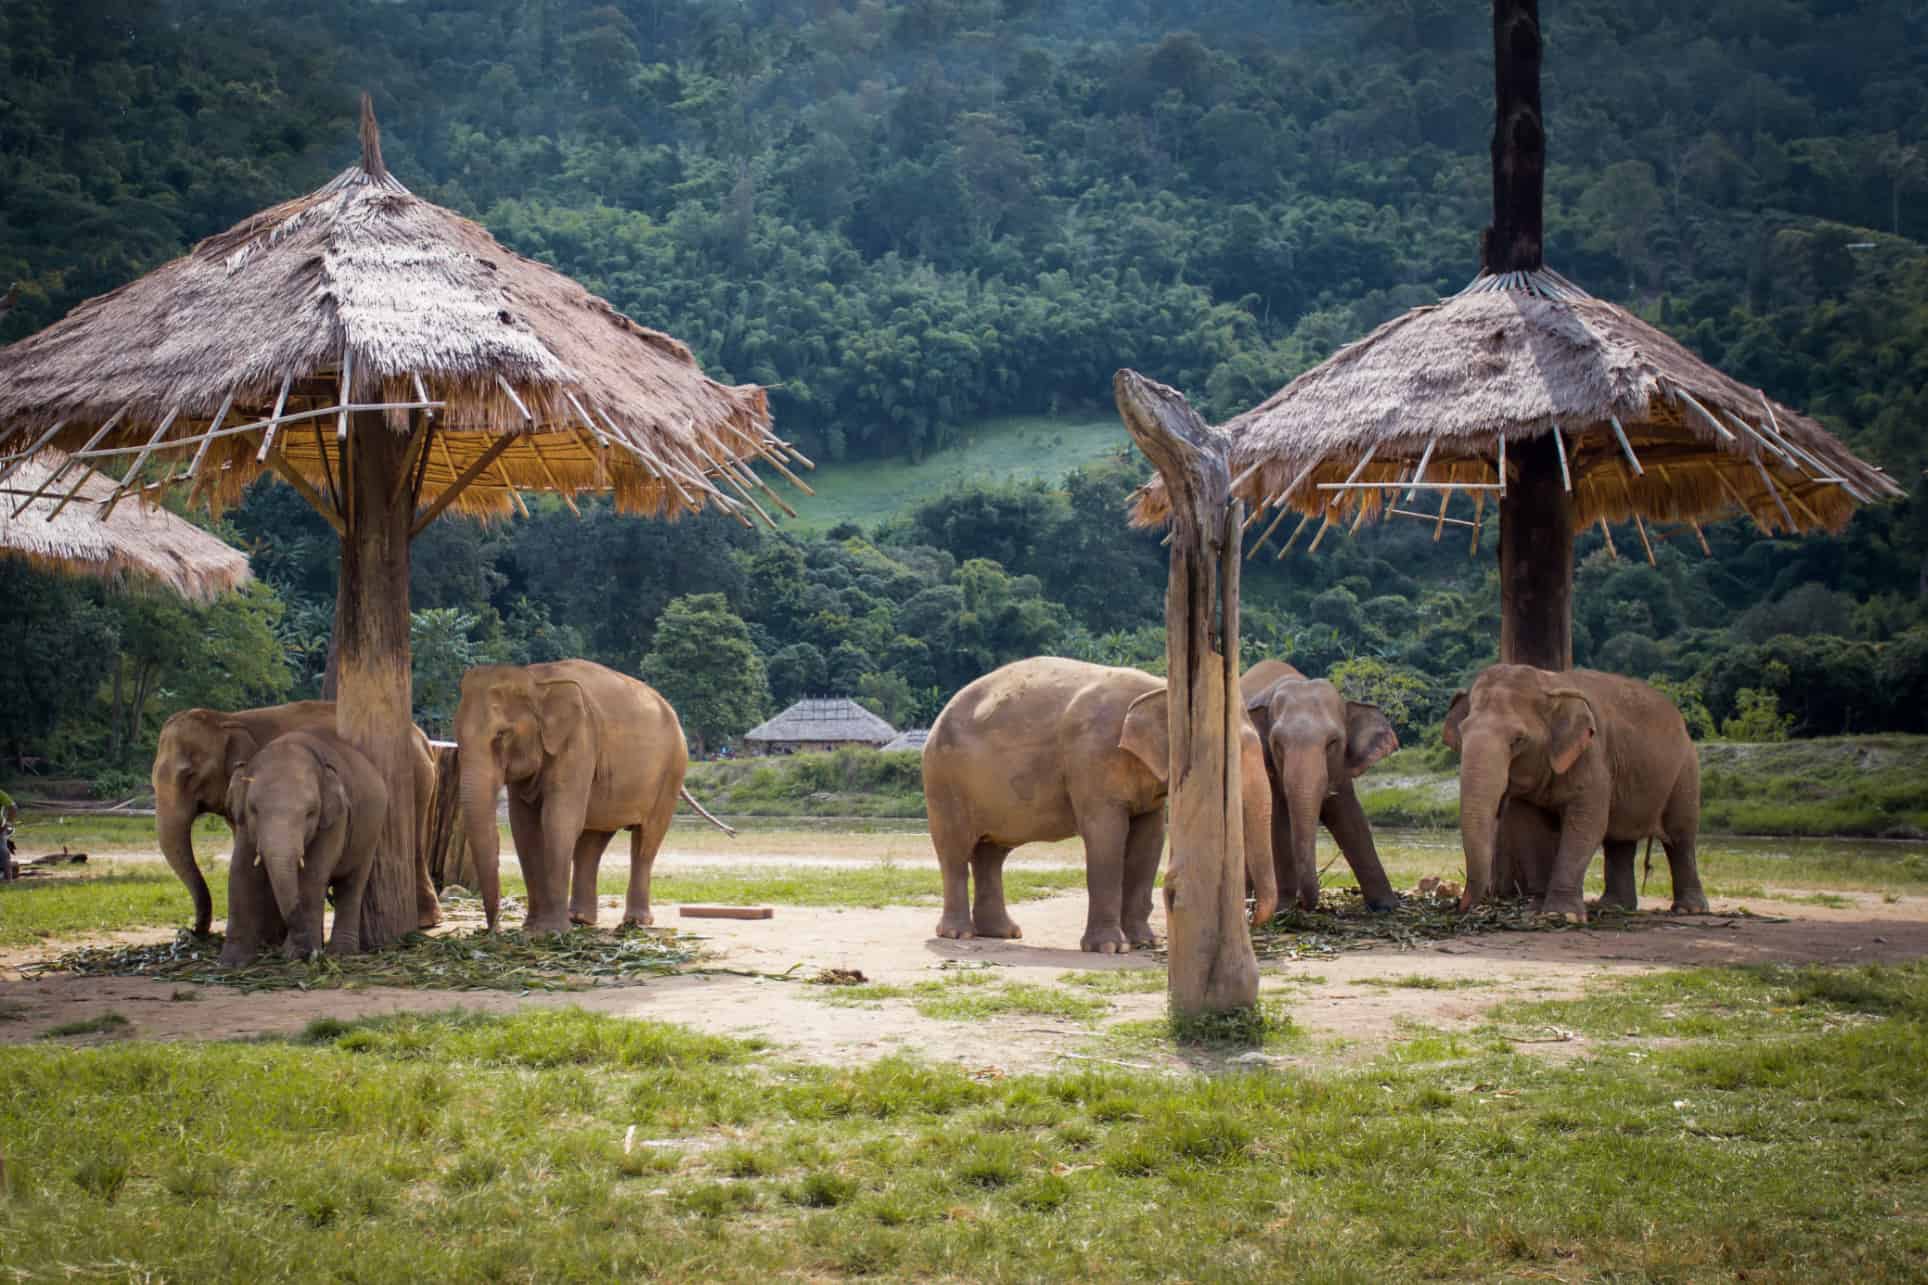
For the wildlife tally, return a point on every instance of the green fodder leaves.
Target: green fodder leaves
(576, 960)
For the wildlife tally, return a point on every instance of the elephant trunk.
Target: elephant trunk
(175, 821)
(283, 855)
(1304, 796)
(1484, 767)
(1255, 801)
(480, 784)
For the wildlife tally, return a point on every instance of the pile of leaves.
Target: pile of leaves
(577, 960)
(1342, 923)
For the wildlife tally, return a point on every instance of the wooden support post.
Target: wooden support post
(1512, 242)
(1536, 561)
(373, 700)
(1212, 965)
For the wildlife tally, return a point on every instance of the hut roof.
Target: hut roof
(361, 293)
(912, 738)
(1516, 356)
(819, 719)
(136, 541)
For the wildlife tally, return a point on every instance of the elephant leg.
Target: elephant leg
(428, 907)
(645, 840)
(1679, 830)
(1581, 832)
(1284, 869)
(562, 825)
(1523, 857)
(346, 937)
(1621, 890)
(1345, 820)
(584, 864)
(525, 827)
(252, 914)
(954, 846)
(1104, 830)
(1144, 845)
(989, 918)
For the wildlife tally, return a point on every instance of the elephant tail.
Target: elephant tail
(704, 812)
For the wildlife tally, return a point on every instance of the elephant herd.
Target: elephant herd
(1553, 766)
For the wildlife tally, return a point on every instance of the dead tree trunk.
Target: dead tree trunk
(1213, 968)
(373, 706)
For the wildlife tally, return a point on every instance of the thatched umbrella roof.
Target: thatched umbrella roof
(362, 294)
(1649, 430)
(137, 541)
(823, 719)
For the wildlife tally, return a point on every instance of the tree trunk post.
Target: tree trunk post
(373, 708)
(1536, 560)
(1213, 968)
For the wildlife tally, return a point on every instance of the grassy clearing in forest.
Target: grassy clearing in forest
(1774, 1131)
(1012, 448)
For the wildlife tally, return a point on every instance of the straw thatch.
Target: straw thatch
(137, 541)
(1515, 357)
(911, 738)
(408, 298)
(821, 722)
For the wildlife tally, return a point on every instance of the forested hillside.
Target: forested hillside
(905, 217)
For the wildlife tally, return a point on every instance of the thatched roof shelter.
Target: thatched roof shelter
(1649, 431)
(136, 542)
(819, 722)
(911, 738)
(388, 359)
(250, 351)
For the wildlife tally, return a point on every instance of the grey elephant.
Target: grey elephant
(1584, 759)
(1045, 749)
(1316, 743)
(307, 811)
(585, 752)
(199, 752)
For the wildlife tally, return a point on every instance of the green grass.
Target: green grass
(847, 782)
(115, 900)
(39, 835)
(965, 995)
(1118, 981)
(1424, 982)
(1775, 1134)
(1011, 448)
(100, 1025)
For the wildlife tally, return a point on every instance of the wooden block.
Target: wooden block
(726, 912)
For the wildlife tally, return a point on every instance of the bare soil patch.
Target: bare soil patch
(1351, 1004)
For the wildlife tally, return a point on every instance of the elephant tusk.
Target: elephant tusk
(257, 858)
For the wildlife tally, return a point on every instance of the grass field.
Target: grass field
(1015, 448)
(1775, 1133)
(817, 867)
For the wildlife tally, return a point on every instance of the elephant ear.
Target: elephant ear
(564, 715)
(1258, 709)
(334, 797)
(237, 746)
(1146, 735)
(1455, 715)
(1369, 736)
(237, 798)
(1570, 727)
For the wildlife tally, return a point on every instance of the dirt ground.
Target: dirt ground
(1333, 998)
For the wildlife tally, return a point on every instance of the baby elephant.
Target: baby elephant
(307, 813)
(1578, 759)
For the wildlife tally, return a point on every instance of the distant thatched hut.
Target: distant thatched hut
(912, 738)
(820, 724)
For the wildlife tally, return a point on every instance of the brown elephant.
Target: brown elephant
(1048, 748)
(585, 752)
(307, 811)
(1316, 742)
(199, 752)
(1588, 757)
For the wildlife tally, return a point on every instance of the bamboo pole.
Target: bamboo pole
(274, 421)
(107, 509)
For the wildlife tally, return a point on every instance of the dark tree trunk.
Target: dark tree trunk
(1212, 966)
(1536, 560)
(372, 709)
(1513, 241)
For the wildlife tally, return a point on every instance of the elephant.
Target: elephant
(585, 752)
(1316, 742)
(1048, 748)
(198, 753)
(307, 811)
(1583, 758)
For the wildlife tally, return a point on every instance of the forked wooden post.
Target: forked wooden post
(1213, 968)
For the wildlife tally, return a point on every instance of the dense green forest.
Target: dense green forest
(908, 215)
